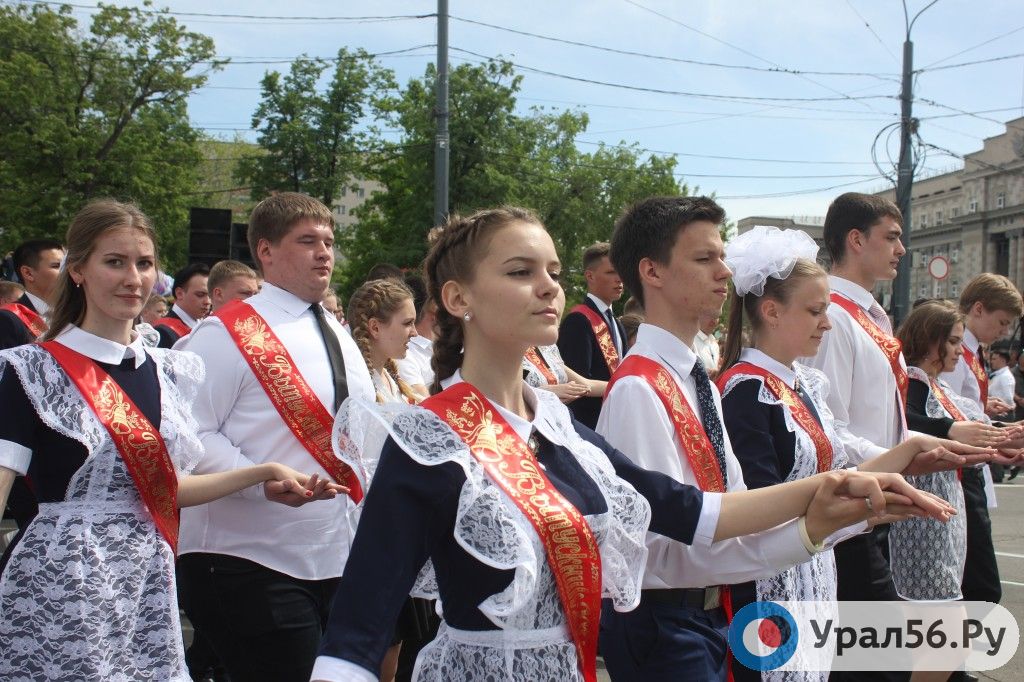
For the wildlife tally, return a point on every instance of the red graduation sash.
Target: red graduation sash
(30, 318)
(950, 407)
(139, 443)
(299, 407)
(889, 345)
(974, 363)
(797, 407)
(694, 440)
(569, 543)
(603, 334)
(174, 324)
(537, 360)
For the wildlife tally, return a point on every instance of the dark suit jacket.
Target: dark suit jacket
(168, 337)
(579, 349)
(13, 331)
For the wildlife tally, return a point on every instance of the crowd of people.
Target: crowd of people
(454, 478)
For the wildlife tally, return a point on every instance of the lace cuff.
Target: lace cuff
(15, 456)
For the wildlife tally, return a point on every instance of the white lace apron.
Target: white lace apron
(532, 642)
(553, 358)
(88, 593)
(815, 579)
(927, 557)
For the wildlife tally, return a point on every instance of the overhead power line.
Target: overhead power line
(678, 60)
(779, 195)
(978, 61)
(744, 51)
(677, 93)
(869, 28)
(260, 17)
(728, 158)
(975, 47)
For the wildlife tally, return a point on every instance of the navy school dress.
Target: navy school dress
(434, 524)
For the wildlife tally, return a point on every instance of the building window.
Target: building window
(924, 220)
(938, 217)
(954, 212)
(361, 192)
(972, 206)
(1001, 200)
(341, 210)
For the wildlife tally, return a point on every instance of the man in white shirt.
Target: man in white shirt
(669, 253)
(706, 345)
(257, 578)
(862, 233)
(1001, 382)
(231, 280)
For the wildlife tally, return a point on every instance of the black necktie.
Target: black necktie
(709, 415)
(613, 330)
(333, 354)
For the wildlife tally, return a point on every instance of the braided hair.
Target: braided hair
(456, 248)
(378, 299)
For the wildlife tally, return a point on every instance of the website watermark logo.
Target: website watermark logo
(873, 636)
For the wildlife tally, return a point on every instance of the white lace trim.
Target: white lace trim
(488, 526)
(89, 591)
(816, 385)
(928, 557)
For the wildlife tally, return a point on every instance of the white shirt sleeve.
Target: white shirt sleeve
(836, 359)
(331, 669)
(634, 421)
(217, 397)
(15, 456)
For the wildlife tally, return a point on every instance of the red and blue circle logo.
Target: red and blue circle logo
(763, 635)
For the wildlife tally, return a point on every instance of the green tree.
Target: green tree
(498, 156)
(96, 113)
(314, 142)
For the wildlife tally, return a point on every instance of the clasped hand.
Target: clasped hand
(847, 497)
(293, 488)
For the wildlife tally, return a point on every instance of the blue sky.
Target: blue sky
(807, 131)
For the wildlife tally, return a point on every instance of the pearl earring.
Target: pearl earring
(467, 316)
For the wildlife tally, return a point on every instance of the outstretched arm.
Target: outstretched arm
(282, 484)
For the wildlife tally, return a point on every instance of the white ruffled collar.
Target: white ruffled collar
(760, 359)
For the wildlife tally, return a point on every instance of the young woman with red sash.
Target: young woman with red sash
(775, 408)
(102, 427)
(490, 497)
(928, 559)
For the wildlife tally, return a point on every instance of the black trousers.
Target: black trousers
(981, 573)
(862, 565)
(264, 625)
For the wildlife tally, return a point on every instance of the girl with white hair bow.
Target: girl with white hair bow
(775, 410)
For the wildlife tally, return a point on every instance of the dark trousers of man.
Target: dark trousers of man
(981, 573)
(661, 641)
(862, 565)
(264, 625)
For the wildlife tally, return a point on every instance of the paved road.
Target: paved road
(1008, 534)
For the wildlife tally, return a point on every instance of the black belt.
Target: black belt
(706, 598)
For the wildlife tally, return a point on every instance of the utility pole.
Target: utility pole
(905, 172)
(441, 138)
(904, 185)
